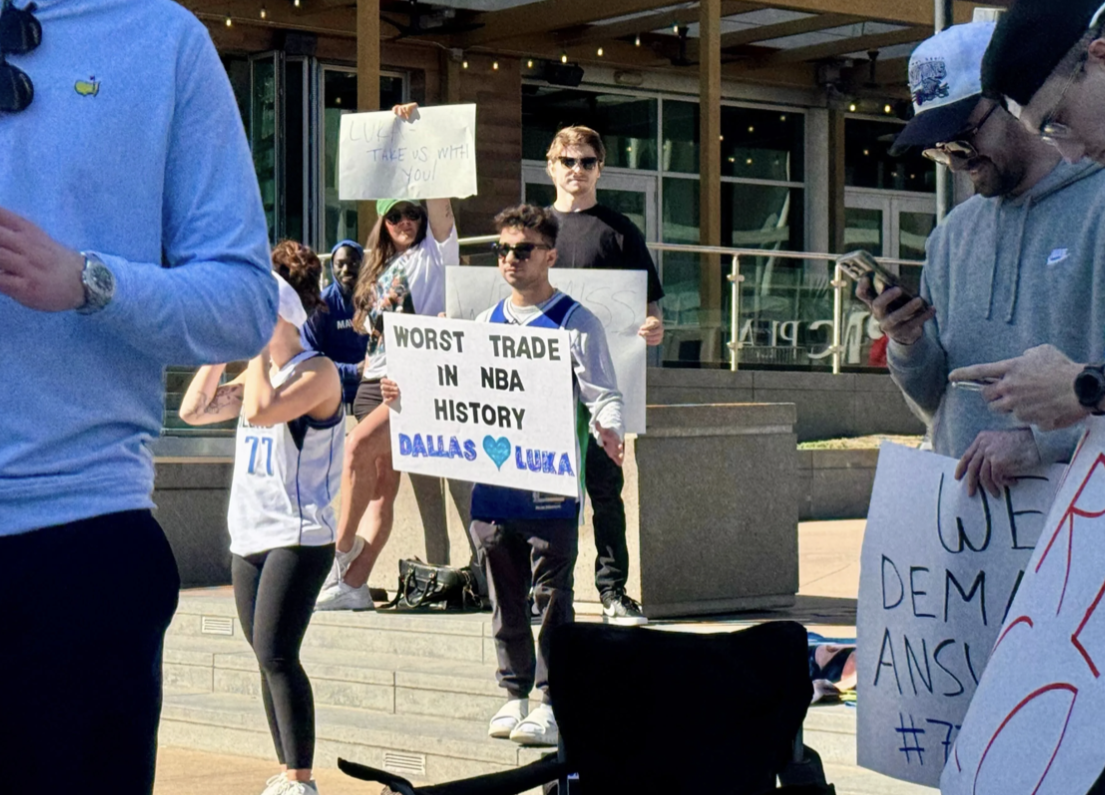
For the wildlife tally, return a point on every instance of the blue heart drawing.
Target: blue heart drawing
(498, 450)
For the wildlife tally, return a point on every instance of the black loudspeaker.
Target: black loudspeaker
(296, 43)
(562, 74)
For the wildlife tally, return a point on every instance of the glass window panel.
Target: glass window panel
(868, 164)
(628, 125)
(237, 69)
(762, 216)
(681, 136)
(913, 231)
(863, 229)
(295, 150)
(762, 144)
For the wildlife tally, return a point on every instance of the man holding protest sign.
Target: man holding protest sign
(593, 236)
(1007, 270)
(529, 536)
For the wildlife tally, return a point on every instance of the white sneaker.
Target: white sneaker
(539, 728)
(275, 785)
(344, 597)
(508, 717)
(301, 788)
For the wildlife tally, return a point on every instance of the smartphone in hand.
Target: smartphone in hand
(860, 265)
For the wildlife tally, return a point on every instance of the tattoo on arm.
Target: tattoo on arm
(225, 397)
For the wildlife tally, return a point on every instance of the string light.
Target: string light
(782, 118)
(887, 109)
(529, 64)
(599, 52)
(751, 129)
(563, 57)
(852, 107)
(637, 41)
(495, 65)
(464, 65)
(675, 28)
(264, 13)
(295, 3)
(229, 21)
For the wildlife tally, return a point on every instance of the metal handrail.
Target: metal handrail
(735, 278)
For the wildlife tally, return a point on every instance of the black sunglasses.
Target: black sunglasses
(588, 163)
(20, 33)
(521, 251)
(410, 213)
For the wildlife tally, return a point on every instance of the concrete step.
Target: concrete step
(422, 748)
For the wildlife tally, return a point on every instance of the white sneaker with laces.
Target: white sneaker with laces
(509, 716)
(344, 597)
(275, 785)
(539, 728)
(342, 562)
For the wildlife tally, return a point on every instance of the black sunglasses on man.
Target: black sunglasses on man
(20, 33)
(522, 251)
(587, 163)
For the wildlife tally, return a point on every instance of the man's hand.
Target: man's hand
(405, 111)
(995, 458)
(390, 391)
(1037, 387)
(35, 270)
(906, 325)
(614, 446)
(652, 331)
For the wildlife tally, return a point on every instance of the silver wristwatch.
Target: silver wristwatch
(98, 282)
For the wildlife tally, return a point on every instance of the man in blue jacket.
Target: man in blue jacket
(131, 237)
(331, 332)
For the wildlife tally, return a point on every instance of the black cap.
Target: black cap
(935, 126)
(1031, 38)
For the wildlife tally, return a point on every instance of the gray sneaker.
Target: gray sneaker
(619, 609)
(344, 597)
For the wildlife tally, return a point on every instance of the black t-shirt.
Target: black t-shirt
(604, 238)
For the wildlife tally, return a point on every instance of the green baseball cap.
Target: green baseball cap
(383, 206)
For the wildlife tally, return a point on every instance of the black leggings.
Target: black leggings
(276, 592)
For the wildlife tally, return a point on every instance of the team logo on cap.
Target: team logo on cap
(928, 81)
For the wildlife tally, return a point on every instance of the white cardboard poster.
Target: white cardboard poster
(433, 156)
(938, 571)
(1037, 720)
(483, 402)
(617, 298)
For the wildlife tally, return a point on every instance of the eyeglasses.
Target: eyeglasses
(20, 33)
(410, 213)
(588, 163)
(521, 251)
(1051, 131)
(945, 153)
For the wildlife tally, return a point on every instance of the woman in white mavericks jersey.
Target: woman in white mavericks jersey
(287, 470)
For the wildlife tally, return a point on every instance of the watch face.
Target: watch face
(1089, 387)
(99, 285)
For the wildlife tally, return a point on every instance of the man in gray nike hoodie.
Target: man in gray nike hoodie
(1015, 266)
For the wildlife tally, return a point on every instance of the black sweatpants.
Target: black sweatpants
(517, 553)
(83, 612)
(275, 592)
(604, 481)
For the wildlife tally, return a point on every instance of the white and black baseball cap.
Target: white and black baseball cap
(945, 80)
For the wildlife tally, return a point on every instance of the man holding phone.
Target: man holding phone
(1009, 269)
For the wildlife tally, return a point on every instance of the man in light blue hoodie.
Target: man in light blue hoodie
(131, 237)
(1009, 269)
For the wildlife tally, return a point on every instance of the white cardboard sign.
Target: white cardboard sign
(483, 402)
(938, 572)
(617, 298)
(433, 156)
(1037, 719)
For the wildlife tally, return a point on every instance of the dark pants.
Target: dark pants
(518, 553)
(604, 481)
(276, 592)
(83, 613)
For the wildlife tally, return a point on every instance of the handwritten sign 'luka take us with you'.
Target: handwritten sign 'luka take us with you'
(483, 402)
(433, 156)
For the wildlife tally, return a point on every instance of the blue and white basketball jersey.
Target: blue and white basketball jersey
(498, 503)
(285, 478)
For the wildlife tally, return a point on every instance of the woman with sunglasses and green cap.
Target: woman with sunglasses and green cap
(403, 271)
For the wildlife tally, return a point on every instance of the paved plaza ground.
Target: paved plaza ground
(829, 582)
